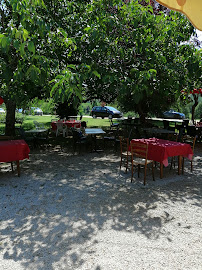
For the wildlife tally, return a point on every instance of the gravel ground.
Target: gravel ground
(81, 212)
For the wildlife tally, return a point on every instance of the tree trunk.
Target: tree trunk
(10, 118)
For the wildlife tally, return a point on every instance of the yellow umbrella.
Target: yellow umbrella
(191, 8)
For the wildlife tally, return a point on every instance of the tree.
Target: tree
(33, 50)
(193, 96)
(138, 54)
(192, 91)
(24, 65)
(91, 49)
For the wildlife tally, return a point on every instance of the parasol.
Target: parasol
(191, 8)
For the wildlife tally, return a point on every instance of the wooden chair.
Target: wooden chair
(125, 153)
(139, 153)
(112, 137)
(112, 124)
(190, 140)
(173, 137)
(78, 139)
(30, 140)
(43, 138)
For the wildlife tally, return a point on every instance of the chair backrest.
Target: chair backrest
(139, 149)
(21, 132)
(124, 144)
(165, 124)
(76, 135)
(190, 140)
(83, 124)
(173, 137)
(38, 125)
(6, 138)
(60, 126)
(192, 131)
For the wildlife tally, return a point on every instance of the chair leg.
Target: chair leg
(145, 172)
(183, 165)
(126, 164)
(153, 171)
(131, 171)
(171, 164)
(12, 166)
(191, 165)
(121, 162)
(138, 170)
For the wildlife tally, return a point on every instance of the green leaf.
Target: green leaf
(31, 47)
(25, 34)
(5, 42)
(96, 74)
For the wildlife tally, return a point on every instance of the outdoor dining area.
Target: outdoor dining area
(167, 143)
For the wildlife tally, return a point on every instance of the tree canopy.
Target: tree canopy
(107, 50)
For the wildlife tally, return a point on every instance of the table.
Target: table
(14, 150)
(69, 124)
(94, 132)
(159, 150)
(36, 132)
(159, 131)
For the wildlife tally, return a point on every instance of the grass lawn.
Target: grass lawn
(46, 121)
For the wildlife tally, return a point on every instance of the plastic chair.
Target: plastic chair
(61, 128)
(139, 153)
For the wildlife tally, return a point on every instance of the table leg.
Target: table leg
(179, 164)
(161, 170)
(18, 167)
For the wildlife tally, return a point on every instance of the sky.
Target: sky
(199, 33)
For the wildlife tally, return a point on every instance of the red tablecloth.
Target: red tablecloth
(13, 150)
(159, 150)
(69, 124)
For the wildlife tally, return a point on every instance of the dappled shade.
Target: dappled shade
(191, 8)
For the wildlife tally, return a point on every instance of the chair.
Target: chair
(190, 140)
(83, 124)
(112, 136)
(43, 138)
(30, 140)
(61, 128)
(139, 153)
(112, 125)
(125, 153)
(78, 139)
(165, 124)
(38, 125)
(173, 137)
